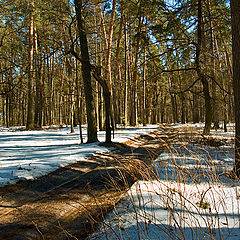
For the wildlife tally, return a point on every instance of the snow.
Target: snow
(189, 197)
(30, 154)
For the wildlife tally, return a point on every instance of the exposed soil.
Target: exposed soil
(70, 202)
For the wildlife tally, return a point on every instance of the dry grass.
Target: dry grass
(176, 198)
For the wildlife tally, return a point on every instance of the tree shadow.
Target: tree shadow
(72, 199)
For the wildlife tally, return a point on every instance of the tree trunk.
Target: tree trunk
(134, 118)
(144, 120)
(201, 75)
(183, 104)
(212, 65)
(174, 107)
(118, 107)
(208, 105)
(126, 74)
(195, 108)
(39, 88)
(71, 91)
(107, 101)
(108, 45)
(99, 90)
(86, 74)
(11, 99)
(30, 114)
(235, 13)
(51, 89)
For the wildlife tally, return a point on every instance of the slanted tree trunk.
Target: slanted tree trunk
(86, 74)
(235, 13)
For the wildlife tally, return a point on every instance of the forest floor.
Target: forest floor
(71, 202)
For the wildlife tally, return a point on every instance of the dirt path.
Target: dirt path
(68, 203)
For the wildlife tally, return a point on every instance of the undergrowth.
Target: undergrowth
(185, 194)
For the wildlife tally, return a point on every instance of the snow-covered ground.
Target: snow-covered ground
(216, 133)
(30, 154)
(188, 198)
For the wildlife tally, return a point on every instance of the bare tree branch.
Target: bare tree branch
(212, 78)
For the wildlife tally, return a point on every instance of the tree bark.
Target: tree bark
(235, 13)
(108, 44)
(118, 82)
(30, 114)
(39, 88)
(107, 101)
(126, 56)
(144, 119)
(212, 65)
(86, 74)
(134, 118)
(200, 72)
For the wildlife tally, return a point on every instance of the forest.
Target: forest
(157, 62)
(151, 87)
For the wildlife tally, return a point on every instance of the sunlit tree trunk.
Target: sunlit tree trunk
(125, 73)
(38, 115)
(70, 78)
(108, 38)
(144, 74)
(119, 80)
(30, 114)
(78, 101)
(134, 115)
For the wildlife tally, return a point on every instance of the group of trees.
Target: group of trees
(108, 62)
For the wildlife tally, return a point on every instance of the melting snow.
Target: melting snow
(190, 197)
(30, 154)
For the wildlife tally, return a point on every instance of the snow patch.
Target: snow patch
(31, 154)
